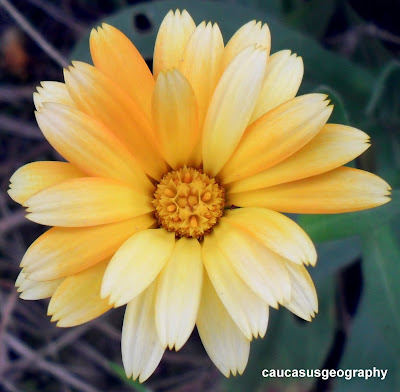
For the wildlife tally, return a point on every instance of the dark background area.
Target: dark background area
(37, 356)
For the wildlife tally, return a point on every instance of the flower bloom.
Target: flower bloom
(145, 208)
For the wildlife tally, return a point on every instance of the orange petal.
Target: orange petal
(36, 176)
(277, 135)
(172, 37)
(136, 264)
(77, 300)
(63, 251)
(250, 34)
(281, 83)
(52, 92)
(248, 311)
(333, 146)
(98, 96)
(340, 190)
(275, 231)
(115, 55)
(201, 65)
(87, 201)
(304, 300)
(231, 107)
(224, 342)
(175, 118)
(262, 270)
(89, 145)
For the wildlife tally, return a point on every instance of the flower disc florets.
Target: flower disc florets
(188, 202)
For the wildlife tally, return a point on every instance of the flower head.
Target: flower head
(172, 197)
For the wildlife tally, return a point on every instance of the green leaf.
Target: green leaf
(384, 101)
(334, 255)
(312, 16)
(381, 270)
(366, 348)
(330, 227)
(290, 344)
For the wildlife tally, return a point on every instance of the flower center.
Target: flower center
(188, 202)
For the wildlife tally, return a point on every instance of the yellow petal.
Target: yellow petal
(77, 300)
(225, 344)
(141, 349)
(52, 92)
(31, 290)
(276, 232)
(201, 65)
(252, 33)
(98, 96)
(89, 145)
(333, 146)
(277, 135)
(231, 107)
(175, 118)
(178, 293)
(340, 190)
(261, 269)
(249, 312)
(172, 37)
(282, 81)
(136, 264)
(65, 251)
(304, 301)
(86, 201)
(116, 56)
(36, 176)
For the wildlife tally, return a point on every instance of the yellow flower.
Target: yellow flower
(144, 210)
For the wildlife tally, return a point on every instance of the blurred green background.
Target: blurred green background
(350, 51)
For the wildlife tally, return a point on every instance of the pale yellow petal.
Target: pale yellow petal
(249, 311)
(231, 107)
(31, 290)
(252, 33)
(281, 83)
(141, 348)
(77, 300)
(277, 135)
(116, 56)
(261, 269)
(224, 342)
(178, 293)
(304, 300)
(63, 251)
(201, 63)
(175, 118)
(99, 97)
(87, 201)
(341, 190)
(174, 32)
(276, 232)
(136, 264)
(333, 146)
(52, 92)
(36, 176)
(89, 145)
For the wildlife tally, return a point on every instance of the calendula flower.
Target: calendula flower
(145, 210)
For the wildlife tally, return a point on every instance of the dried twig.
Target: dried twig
(19, 127)
(15, 94)
(59, 16)
(33, 33)
(12, 221)
(55, 370)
